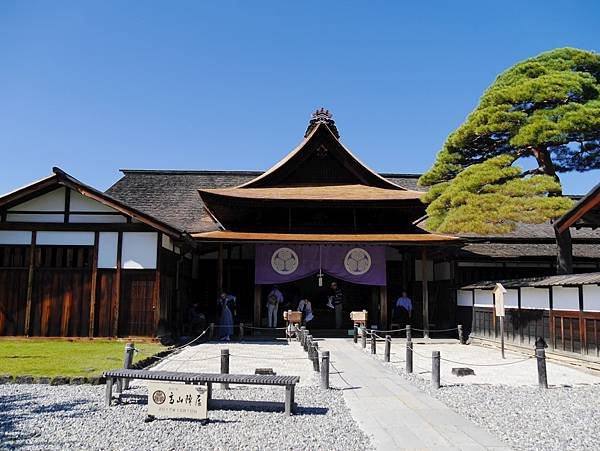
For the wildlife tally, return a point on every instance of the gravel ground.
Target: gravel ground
(564, 417)
(74, 417)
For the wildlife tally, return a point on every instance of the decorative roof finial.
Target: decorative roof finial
(322, 116)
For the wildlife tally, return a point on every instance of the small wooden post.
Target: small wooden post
(325, 369)
(540, 354)
(127, 361)
(241, 331)
(502, 336)
(211, 331)
(364, 338)
(388, 346)
(315, 357)
(32, 252)
(373, 343)
(302, 335)
(225, 366)
(355, 334)
(309, 347)
(409, 356)
(460, 335)
(408, 332)
(435, 369)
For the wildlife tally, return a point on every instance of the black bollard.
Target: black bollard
(211, 331)
(435, 369)
(325, 369)
(460, 335)
(388, 348)
(309, 347)
(373, 343)
(540, 354)
(225, 366)
(364, 338)
(409, 356)
(241, 331)
(408, 332)
(355, 334)
(302, 330)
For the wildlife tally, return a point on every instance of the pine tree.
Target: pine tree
(548, 108)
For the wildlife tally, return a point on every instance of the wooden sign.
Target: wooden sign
(170, 400)
(499, 299)
(359, 317)
(292, 317)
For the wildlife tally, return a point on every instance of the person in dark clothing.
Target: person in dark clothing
(336, 299)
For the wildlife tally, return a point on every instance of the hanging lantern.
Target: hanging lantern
(320, 276)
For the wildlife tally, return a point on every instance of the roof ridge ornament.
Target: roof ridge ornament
(322, 116)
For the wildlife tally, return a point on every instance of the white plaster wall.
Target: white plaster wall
(511, 298)
(139, 250)
(107, 249)
(167, 242)
(15, 237)
(591, 298)
(484, 298)
(21, 217)
(52, 201)
(65, 238)
(565, 298)
(464, 298)
(79, 202)
(535, 298)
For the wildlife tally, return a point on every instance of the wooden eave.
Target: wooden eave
(61, 178)
(337, 193)
(379, 238)
(295, 157)
(585, 206)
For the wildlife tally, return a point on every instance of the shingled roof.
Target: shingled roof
(172, 196)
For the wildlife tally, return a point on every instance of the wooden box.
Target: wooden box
(359, 317)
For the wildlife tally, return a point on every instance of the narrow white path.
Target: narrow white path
(395, 413)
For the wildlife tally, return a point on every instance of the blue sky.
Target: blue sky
(95, 86)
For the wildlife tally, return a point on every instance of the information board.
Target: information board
(171, 400)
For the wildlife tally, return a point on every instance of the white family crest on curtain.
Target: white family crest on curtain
(357, 261)
(284, 261)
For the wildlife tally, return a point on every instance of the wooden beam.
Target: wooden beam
(93, 284)
(383, 307)
(30, 284)
(156, 293)
(425, 292)
(220, 270)
(67, 204)
(257, 307)
(76, 227)
(117, 286)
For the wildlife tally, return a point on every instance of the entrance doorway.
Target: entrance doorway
(356, 297)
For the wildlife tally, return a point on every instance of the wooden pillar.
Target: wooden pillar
(30, 283)
(220, 270)
(156, 293)
(383, 307)
(257, 306)
(93, 283)
(425, 296)
(228, 285)
(117, 287)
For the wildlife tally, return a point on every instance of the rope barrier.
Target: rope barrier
(265, 358)
(182, 346)
(436, 330)
(339, 373)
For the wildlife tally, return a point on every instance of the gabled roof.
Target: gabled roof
(585, 213)
(319, 140)
(61, 178)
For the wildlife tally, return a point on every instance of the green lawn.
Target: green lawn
(66, 358)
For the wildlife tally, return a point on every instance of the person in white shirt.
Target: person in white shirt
(403, 310)
(305, 307)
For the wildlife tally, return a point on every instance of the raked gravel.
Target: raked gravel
(525, 417)
(35, 417)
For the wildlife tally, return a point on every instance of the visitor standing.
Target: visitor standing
(403, 310)
(226, 305)
(274, 298)
(305, 307)
(336, 299)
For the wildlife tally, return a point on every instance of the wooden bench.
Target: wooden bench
(116, 377)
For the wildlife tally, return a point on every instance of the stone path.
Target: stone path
(397, 414)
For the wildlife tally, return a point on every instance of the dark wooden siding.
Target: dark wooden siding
(13, 296)
(137, 314)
